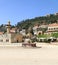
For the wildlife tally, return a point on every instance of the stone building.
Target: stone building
(52, 28)
(10, 37)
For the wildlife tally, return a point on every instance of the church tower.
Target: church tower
(8, 27)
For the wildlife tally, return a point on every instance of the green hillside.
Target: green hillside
(37, 20)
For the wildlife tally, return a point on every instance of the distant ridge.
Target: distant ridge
(25, 24)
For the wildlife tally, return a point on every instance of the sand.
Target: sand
(44, 54)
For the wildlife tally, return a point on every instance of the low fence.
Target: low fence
(11, 44)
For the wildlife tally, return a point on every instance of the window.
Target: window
(1, 40)
(7, 40)
(49, 29)
(54, 28)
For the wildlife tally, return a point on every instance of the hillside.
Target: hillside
(37, 20)
(25, 24)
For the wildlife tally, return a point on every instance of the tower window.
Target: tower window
(1, 40)
(7, 40)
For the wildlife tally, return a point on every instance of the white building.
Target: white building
(52, 28)
(23, 32)
(35, 30)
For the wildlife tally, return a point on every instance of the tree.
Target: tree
(54, 35)
(30, 30)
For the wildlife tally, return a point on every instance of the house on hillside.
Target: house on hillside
(52, 28)
(23, 32)
(40, 29)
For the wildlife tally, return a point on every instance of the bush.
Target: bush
(54, 35)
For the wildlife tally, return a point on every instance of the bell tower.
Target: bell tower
(8, 27)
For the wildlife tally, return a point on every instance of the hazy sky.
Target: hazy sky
(18, 10)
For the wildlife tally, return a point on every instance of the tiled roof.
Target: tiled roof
(1, 33)
(54, 24)
(13, 30)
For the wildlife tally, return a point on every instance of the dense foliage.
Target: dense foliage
(42, 36)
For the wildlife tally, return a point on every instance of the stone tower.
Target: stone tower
(8, 27)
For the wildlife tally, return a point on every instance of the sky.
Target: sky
(18, 10)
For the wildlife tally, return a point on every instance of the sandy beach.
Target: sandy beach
(44, 54)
